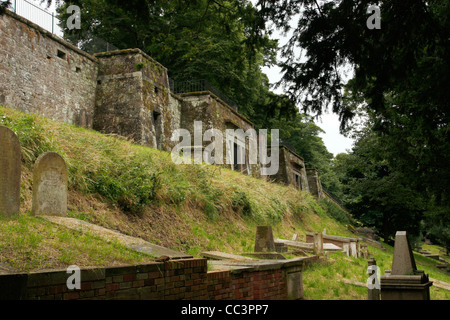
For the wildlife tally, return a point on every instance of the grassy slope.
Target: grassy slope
(140, 192)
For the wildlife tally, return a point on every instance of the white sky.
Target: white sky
(328, 121)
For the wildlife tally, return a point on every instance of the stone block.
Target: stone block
(50, 185)
(10, 171)
(264, 239)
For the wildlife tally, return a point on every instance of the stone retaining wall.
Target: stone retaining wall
(171, 280)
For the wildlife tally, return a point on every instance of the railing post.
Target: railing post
(53, 21)
(15, 6)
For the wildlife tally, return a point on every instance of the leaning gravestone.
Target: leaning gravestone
(264, 239)
(318, 243)
(10, 168)
(50, 185)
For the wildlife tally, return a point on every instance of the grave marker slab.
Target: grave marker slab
(403, 262)
(264, 239)
(50, 185)
(10, 172)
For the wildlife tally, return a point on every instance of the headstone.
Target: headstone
(353, 249)
(318, 243)
(404, 281)
(264, 239)
(346, 248)
(10, 172)
(50, 185)
(403, 262)
(295, 237)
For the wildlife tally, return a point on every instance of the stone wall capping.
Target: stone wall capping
(212, 95)
(128, 51)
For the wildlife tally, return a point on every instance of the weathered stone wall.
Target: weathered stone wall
(171, 280)
(215, 114)
(41, 73)
(315, 186)
(291, 164)
(134, 100)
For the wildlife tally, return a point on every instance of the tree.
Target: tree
(401, 80)
(201, 39)
(377, 194)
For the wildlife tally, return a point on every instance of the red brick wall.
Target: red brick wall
(175, 279)
(253, 285)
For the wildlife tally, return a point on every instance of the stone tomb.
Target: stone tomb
(404, 281)
(50, 185)
(10, 171)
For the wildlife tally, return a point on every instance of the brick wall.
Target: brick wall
(172, 280)
(247, 285)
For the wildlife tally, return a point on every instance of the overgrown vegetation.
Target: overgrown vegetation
(192, 208)
(141, 192)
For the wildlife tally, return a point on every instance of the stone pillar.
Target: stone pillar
(264, 239)
(10, 172)
(404, 282)
(50, 185)
(374, 292)
(346, 248)
(318, 243)
(353, 249)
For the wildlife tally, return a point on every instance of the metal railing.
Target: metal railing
(333, 198)
(188, 86)
(37, 15)
(48, 21)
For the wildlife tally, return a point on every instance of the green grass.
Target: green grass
(323, 281)
(30, 243)
(192, 208)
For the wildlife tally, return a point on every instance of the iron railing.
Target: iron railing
(333, 198)
(188, 86)
(48, 21)
(37, 15)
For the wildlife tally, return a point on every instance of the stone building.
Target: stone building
(134, 100)
(315, 186)
(123, 92)
(291, 169)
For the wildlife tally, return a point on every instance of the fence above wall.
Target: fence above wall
(37, 15)
(198, 86)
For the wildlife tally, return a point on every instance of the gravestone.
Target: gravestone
(353, 249)
(404, 281)
(346, 248)
(318, 243)
(50, 185)
(264, 239)
(295, 237)
(10, 171)
(403, 262)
